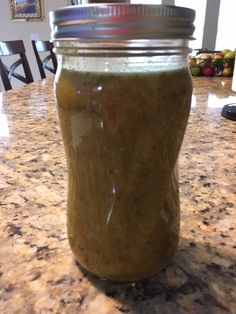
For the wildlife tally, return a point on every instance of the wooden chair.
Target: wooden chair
(41, 47)
(9, 48)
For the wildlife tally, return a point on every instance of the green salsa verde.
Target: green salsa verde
(122, 133)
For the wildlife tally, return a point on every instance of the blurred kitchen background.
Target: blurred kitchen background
(215, 25)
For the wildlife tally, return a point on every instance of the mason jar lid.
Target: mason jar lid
(121, 22)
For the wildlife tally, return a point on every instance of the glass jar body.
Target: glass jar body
(123, 117)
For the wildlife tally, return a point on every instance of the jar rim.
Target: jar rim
(122, 21)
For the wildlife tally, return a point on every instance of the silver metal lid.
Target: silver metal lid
(122, 22)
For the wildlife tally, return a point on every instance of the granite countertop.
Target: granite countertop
(38, 273)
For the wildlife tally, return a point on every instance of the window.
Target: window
(200, 7)
(225, 38)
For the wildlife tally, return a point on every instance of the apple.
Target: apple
(224, 51)
(228, 63)
(208, 71)
(229, 55)
(195, 70)
(192, 61)
(227, 71)
(217, 59)
(217, 55)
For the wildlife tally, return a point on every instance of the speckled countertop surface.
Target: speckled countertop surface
(37, 271)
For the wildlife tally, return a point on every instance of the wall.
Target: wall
(26, 31)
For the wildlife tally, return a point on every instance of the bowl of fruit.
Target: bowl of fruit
(212, 63)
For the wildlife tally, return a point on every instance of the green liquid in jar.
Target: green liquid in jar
(122, 134)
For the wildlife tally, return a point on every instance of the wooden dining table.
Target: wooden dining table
(38, 273)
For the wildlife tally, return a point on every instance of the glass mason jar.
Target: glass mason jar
(124, 90)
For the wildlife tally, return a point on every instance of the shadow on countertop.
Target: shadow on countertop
(200, 280)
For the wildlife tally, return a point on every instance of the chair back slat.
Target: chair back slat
(9, 48)
(41, 47)
(4, 76)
